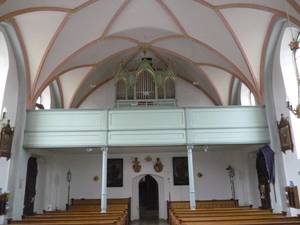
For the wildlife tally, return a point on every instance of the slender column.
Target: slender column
(191, 177)
(104, 180)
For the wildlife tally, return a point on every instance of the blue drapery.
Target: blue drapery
(268, 155)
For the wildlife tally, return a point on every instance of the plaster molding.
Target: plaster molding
(26, 61)
(32, 9)
(240, 47)
(172, 16)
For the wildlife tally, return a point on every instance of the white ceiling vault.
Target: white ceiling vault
(80, 43)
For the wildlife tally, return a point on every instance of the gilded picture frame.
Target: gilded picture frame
(285, 134)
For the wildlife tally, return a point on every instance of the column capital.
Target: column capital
(104, 148)
(189, 147)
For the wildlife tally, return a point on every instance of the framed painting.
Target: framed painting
(180, 171)
(115, 173)
(285, 135)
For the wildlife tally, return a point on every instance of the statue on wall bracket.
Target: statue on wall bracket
(6, 138)
(136, 166)
(158, 166)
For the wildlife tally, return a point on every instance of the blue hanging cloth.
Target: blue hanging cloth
(268, 155)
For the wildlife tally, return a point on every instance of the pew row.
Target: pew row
(81, 213)
(228, 216)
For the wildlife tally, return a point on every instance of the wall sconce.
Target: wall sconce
(3, 114)
(231, 174)
(204, 148)
(295, 111)
(294, 46)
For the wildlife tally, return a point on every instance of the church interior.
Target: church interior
(180, 112)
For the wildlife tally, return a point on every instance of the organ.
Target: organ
(145, 85)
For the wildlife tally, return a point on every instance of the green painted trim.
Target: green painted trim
(146, 127)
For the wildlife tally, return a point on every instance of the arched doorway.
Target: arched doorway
(30, 189)
(148, 198)
(135, 208)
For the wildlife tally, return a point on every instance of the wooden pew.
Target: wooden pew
(84, 213)
(203, 204)
(228, 216)
(180, 214)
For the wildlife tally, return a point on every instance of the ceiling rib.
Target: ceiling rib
(53, 76)
(215, 101)
(202, 44)
(263, 56)
(74, 68)
(295, 5)
(114, 17)
(32, 9)
(84, 5)
(238, 75)
(251, 86)
(78, 51)
(206, 4)
(134, 54)
(230, 90)
(239, 45)
(217, 8)
(172, 16)
(50, 45)
(61, 93)
(62, 27)
(258, 7)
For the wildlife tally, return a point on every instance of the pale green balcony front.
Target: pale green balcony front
(147, 127)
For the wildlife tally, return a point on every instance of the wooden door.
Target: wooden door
(30, 189)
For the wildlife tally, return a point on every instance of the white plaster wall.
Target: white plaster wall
(4, 168)
(15, 101)
(212, 164)
(286, 165)
(10, 98)
(103, 97)
(291, 163)
(187, 95)
(254, 195)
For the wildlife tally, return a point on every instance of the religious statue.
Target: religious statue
(6, 138)
(136, 165)
(158, 166)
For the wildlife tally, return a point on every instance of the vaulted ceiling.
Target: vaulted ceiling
(80, 43)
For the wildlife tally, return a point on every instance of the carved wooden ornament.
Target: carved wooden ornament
(136, 165)
(6, 138)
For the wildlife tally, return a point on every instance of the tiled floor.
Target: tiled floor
(150, 222)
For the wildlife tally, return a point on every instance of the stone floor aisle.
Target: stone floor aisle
(149, 222)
